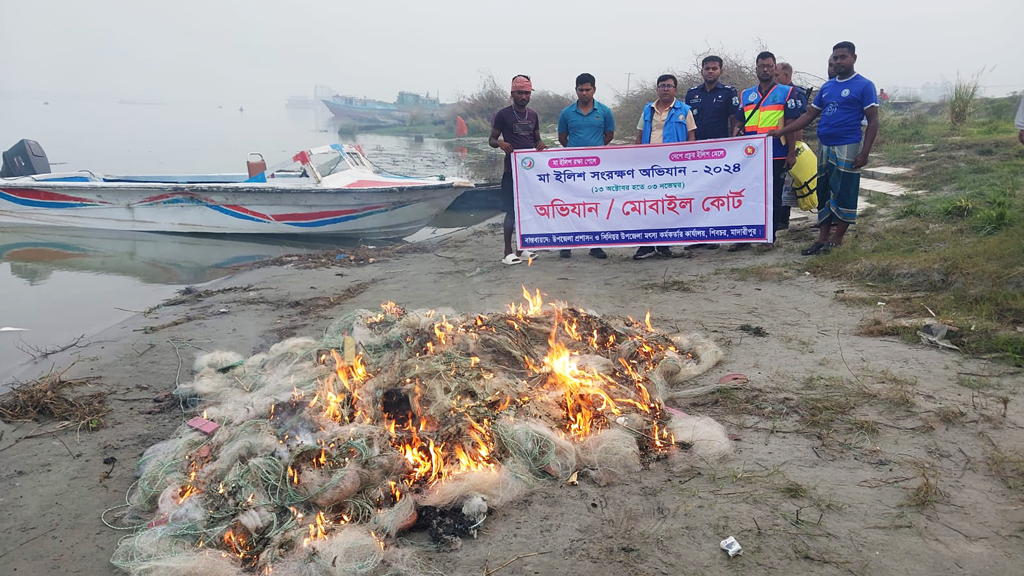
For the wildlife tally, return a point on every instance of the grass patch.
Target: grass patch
(763, 273)
(951, 414)
(962, 98)
(955, 248)
(973, 383)
(927, 492)
(669, 286)
(1009, 468)
(828, 406)
(793, 489)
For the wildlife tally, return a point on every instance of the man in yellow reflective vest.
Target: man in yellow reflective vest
(766, 107)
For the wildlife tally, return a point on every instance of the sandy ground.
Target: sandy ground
(854, 455)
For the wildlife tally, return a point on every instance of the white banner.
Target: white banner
(712, 191)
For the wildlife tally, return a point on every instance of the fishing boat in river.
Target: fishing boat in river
(329, 190)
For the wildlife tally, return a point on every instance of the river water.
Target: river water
(57, 284)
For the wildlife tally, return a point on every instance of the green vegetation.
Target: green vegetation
(962, 99)
(738, 71)
(476, 109)
(958, 248)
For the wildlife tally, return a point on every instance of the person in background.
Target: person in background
(715, 104)
(519, 129)
(769, 106)
(842, 103)
(882, 96)
(831, 69)
(1019, 122)
(586, 122)
(663, 121)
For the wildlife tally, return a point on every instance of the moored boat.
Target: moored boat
(329, 190)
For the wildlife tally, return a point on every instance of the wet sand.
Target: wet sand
(799, 494)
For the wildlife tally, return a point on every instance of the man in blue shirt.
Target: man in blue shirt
(713, 104)
(585, 122)
(843, 102)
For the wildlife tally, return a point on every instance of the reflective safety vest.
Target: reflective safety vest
(768, 116)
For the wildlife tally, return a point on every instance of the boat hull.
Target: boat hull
(374, 213)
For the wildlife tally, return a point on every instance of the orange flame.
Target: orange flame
(237, 543)
(317, 530)
(584, 394)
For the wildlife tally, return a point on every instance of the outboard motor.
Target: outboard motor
(26, 158)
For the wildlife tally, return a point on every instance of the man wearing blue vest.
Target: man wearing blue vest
(766, 107)
(586, 122)
(663, 121)
(843, 103)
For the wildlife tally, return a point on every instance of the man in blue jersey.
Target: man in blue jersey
(843, 102)
(585, 122)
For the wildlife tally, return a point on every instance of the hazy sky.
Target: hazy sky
(244, 51)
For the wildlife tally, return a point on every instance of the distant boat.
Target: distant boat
(352, 108)
(300, 102)
(334, 190)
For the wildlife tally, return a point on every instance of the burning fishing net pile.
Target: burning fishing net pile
(311, 458)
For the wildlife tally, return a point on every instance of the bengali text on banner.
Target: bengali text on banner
(713, 191)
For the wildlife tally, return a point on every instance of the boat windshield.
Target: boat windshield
(333, 159)
(331, 164)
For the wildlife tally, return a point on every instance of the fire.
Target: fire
(186, 491)
(442, 329)
(237, 543)
(585, 397)
(647, 321)
(392, 309)
(317, 529)
(534, 304)
(570, 329)
(189, 489)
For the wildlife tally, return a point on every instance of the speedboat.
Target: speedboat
(329, 190)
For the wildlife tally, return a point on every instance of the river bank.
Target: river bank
(853, 454)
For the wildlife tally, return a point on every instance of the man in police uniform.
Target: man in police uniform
(714, 106)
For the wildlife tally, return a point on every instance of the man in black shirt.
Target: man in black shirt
(519, 129)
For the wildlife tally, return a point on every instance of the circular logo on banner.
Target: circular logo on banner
(845, 92)
(750, 150)
(526, 163)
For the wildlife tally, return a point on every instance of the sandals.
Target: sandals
(819, 248)
(528, 255)
(813, 249)
(511, 259)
